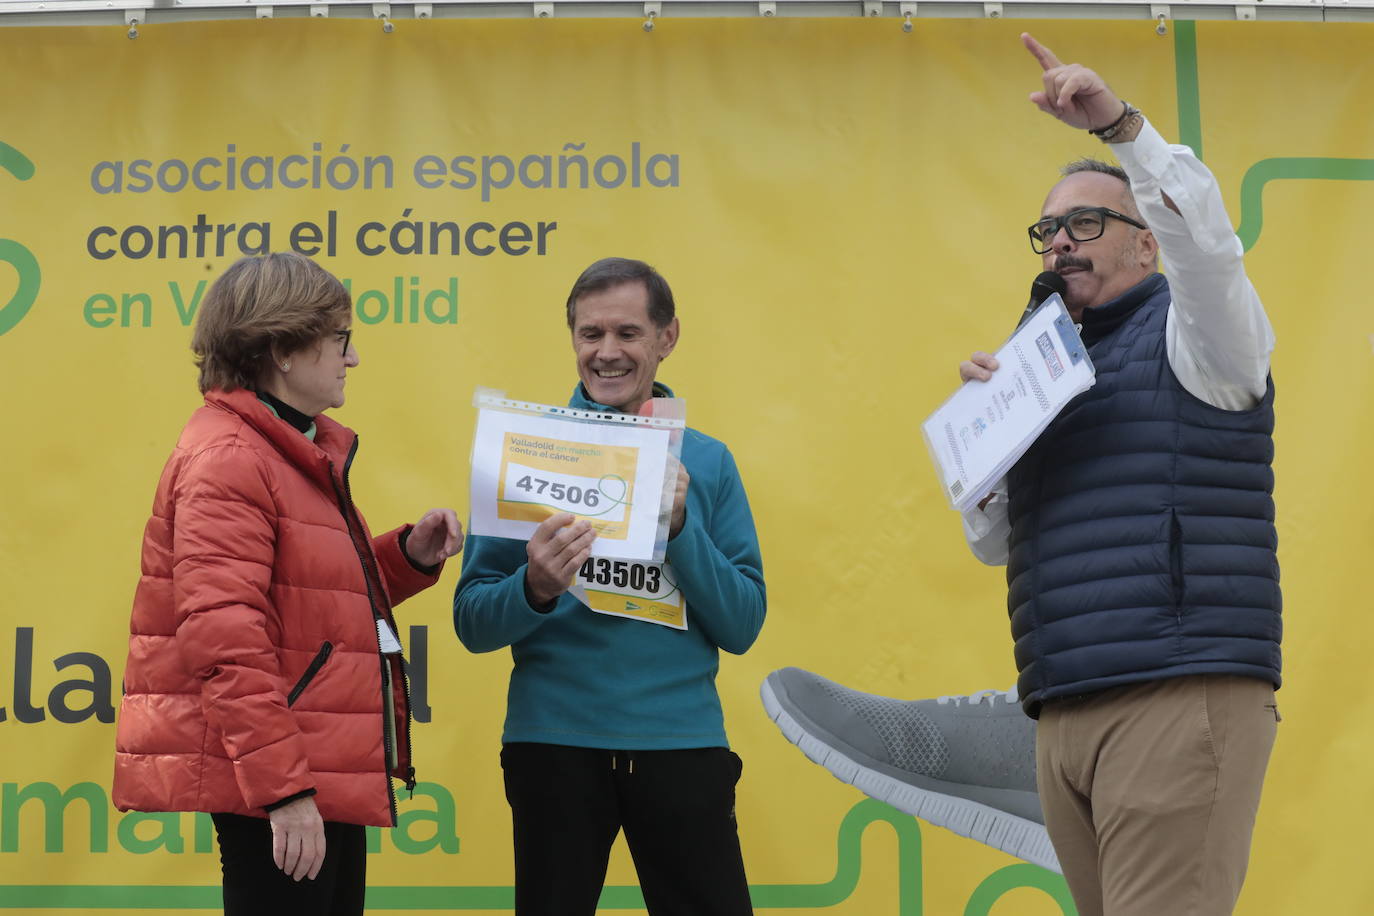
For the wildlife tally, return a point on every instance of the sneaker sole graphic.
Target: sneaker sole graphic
(1016, 836)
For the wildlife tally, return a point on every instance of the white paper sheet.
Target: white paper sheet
(985, 427)
(531, 461)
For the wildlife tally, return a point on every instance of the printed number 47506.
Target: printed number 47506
(577, 496)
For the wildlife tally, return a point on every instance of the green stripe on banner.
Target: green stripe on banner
(1017, 876)
(1262, 172)
(15, 162)
(849, 861)
(109, 897)
(1186, 81)
(848, 867)
(1267, 170)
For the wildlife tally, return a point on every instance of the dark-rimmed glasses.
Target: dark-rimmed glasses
(345, 337)
(1082, 225)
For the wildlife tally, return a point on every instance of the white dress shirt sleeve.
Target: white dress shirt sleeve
(988, 529)
(1217, 334)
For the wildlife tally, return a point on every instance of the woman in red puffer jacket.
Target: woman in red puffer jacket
(264, 683)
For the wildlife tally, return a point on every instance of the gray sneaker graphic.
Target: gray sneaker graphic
(966, 763)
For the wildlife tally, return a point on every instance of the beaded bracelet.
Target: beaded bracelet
(1108, 133)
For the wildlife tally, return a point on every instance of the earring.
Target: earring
(286, 366)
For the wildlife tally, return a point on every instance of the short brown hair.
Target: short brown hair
(278, 302)
(609, 272)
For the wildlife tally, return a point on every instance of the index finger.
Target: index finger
(1043, 55)
(551, 526)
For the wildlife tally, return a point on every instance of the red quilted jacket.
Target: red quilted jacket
(254, 669)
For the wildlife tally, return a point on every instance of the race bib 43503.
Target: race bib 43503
(630, 588)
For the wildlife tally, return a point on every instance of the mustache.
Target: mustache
(1068, 260)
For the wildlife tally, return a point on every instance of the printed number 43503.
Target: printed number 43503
(621, 574)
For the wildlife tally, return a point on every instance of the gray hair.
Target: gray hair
(1088, 164)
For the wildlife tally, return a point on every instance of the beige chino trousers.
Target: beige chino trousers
(1150, 792)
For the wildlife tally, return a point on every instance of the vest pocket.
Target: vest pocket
(1176, 563)
(311, 670)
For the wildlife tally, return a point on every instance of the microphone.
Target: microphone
(1045, 285)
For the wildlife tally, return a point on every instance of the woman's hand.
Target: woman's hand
(298, 838)
(437, 536)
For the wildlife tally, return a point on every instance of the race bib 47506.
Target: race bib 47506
(618, 472)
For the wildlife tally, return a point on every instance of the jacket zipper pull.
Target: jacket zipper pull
(410, 781)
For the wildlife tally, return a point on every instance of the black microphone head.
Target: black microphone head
(1046, 285)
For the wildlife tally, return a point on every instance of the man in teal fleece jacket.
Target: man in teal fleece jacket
(613, 722)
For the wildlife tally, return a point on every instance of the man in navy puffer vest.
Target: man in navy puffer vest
(1138, 531)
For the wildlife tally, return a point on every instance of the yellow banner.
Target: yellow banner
(840, 207)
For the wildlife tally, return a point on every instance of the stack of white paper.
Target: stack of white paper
(985, 427)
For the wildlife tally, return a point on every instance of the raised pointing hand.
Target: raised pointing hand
(1073, 93)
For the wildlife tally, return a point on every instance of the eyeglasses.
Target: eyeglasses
(345, 337)
(1082, 225)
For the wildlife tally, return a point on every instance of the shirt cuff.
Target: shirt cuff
(1149, 152)
(283, 802)
(529, 598)
(427, 570)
